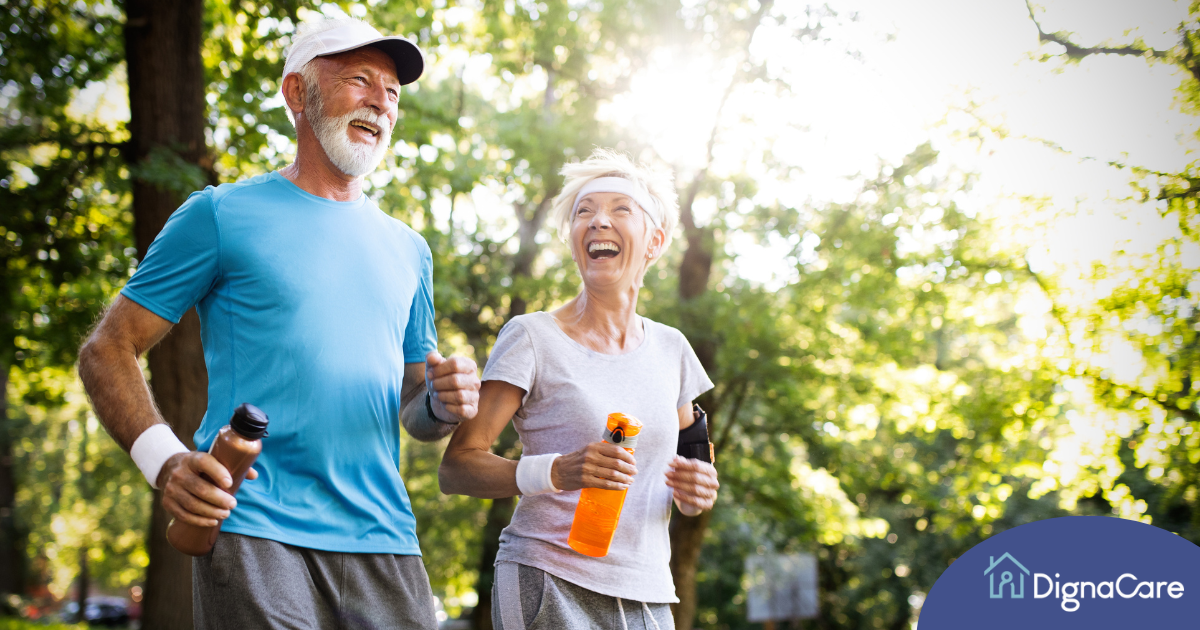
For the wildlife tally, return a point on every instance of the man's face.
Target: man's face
(352, 107)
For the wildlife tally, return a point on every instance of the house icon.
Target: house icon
(1005, 578)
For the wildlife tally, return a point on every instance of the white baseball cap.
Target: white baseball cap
(332, 36)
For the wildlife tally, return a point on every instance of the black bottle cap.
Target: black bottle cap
(249, 421)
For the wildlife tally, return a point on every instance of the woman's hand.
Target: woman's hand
(597, 465)
(695, 484)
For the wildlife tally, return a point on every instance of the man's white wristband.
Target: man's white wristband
(533, 474)
(153, 448)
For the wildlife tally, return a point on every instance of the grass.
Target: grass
(12, 623)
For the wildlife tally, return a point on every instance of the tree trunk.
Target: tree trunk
(12, 556)
(501, 510)
(83, 582)
(85, 493)
(167, 110)
(181, 390)
(499, 514)
(687, 535)
(687, 532)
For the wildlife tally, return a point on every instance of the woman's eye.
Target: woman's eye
(624, 210)
(583, 211)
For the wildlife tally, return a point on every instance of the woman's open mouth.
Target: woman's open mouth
(602, 249)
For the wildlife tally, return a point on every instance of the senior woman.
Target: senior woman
(557, 376)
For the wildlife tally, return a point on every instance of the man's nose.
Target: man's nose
(377, 98)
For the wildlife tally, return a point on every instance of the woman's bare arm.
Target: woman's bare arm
(469, 467)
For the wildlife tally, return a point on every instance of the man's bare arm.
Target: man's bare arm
(112, 376)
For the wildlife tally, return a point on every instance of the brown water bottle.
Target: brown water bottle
(236, 447)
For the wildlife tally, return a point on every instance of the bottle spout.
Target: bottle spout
(249, 421)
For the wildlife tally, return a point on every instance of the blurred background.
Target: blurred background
(940, 259)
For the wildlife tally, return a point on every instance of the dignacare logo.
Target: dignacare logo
(1070, 593)
(1072, 572)
(1005, 578)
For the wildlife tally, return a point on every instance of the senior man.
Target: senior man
(316, 307)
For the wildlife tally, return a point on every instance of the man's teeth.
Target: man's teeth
(362, 125)
(595, 247)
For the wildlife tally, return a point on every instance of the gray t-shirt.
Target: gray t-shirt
(569, 392)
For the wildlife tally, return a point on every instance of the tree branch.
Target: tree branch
(1075, 51)
(686, 217)
(743, 389)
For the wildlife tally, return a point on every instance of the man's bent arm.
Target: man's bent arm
(414, 415)
(452, 387)
(108, 366)
(111, 374)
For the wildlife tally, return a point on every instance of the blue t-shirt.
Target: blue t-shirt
(309, 309)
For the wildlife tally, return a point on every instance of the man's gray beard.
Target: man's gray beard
(352, 158)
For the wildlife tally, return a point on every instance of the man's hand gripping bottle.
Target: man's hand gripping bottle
(236, 447)
(599, 509)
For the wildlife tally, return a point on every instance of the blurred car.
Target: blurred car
(98, 611)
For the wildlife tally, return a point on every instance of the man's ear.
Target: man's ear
(294, 92)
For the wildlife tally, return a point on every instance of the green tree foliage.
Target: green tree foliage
(64, 246)
(1145, 311)
(882, 408)
(79, 493)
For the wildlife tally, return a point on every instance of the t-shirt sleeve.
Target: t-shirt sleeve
(183, 263)
(420, 337)
(513, 359)
(693, 380)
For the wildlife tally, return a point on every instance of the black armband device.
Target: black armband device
(693, 441)
(429, 410)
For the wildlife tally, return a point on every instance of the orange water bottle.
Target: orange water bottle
(599, 509)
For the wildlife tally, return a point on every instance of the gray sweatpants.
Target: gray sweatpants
(251, 582)
(525, 598)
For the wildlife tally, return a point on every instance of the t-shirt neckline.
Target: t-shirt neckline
(290, 185)
(549, 320)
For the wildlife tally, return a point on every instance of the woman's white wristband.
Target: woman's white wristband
(533, 474)
(153, 448)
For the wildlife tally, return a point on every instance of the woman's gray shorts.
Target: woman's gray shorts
(525, 598)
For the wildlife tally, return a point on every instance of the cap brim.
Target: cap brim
(410, 62)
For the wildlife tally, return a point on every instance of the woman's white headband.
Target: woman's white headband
(624, 186)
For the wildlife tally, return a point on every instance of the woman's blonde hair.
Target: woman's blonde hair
(609, 163)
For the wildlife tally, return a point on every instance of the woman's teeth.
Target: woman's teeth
(601, 249)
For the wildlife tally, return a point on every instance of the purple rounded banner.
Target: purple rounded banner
(1091, 572)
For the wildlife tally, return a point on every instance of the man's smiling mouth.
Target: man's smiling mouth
(368, 127)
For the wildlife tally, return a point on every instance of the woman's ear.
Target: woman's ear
(655, 246)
